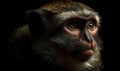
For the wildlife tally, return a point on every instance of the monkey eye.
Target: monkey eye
(91, 25)
(72, 26)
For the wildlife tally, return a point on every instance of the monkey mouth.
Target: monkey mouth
(85, 51)
(83, 55)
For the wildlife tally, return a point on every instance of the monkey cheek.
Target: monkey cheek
(85, 55)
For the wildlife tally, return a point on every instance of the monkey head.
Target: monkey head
(65, 36)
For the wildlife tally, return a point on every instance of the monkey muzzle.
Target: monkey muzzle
(84, 51)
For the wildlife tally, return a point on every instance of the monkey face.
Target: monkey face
(82, 31)
(78, 34)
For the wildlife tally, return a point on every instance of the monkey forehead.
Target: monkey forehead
(85, 12)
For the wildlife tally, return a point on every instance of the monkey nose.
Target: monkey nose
(88, 43)
(87, 37)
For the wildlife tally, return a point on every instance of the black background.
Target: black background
(13, 11)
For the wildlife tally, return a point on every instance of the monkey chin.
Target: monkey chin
(85, 55)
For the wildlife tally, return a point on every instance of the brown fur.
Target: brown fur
(59, 6)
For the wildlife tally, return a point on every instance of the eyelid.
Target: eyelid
(72, 26)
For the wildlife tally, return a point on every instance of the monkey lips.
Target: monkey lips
(84, 53)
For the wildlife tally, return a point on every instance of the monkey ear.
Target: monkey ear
(39, 21)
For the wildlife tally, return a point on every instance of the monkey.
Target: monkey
(59, 36)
